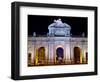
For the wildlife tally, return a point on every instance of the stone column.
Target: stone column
(68, 53)
(72, 52)
(50, 52)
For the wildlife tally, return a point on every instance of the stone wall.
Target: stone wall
(52, 43)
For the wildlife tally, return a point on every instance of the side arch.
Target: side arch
(77, 55)
(40, 56)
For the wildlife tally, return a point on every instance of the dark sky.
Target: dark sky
(39, 24)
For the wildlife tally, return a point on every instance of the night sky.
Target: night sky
(39, 24)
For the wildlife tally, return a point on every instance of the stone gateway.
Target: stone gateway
(58, 47)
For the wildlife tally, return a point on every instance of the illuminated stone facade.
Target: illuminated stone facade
(59, 38)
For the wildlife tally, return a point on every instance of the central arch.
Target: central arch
(59, 55)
